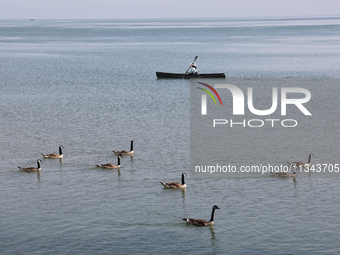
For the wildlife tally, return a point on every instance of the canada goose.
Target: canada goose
(302, 164)
(110, 165)
(284, 174)
(54, 155)
(126, 152)
(175, 185)
(203, 222)
(31, 169)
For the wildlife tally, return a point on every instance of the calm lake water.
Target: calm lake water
(90, 86)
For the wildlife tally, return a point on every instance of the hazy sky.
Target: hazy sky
(129, 9)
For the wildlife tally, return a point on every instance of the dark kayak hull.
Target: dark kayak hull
(188, 76)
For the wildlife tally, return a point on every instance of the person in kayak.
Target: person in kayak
(192, 69)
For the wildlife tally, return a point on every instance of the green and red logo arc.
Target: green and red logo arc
(209, 93)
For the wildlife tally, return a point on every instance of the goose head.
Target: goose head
(215, 207)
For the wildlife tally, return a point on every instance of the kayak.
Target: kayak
(188, 76)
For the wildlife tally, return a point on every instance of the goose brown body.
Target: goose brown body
(284, 174)
(199, 222)
(31, 169)
(110, 165)
(302, 164)
(54, 155)
(175, 185)
(126, 152)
